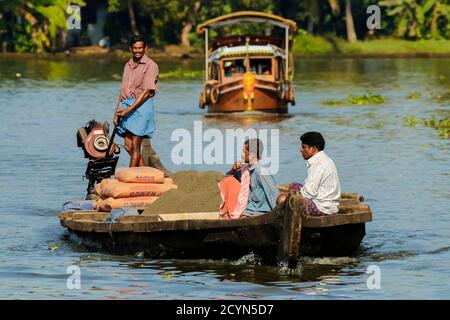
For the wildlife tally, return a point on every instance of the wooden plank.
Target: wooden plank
(69, 213)
(344, 195)
(149, 226)
(351, 209)
(88, 225)
(352, 195)
(344, 216)
(336, 219)
(134, 219)
(189, 216)
(189, 221)
(349, 202)
(90, 215)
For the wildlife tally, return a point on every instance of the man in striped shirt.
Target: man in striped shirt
(322, 189)
(135, 106)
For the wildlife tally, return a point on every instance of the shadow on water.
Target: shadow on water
(248, 269)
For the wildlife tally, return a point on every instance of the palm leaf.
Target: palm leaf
(389, 3)
(428, 5)
(402, 26)
(395, 11)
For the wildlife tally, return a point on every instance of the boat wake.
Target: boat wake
(392, 256)
(328, 260)
(249, 259)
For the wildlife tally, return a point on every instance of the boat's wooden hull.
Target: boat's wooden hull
(264, 100)
(272, 236)
(231, 243)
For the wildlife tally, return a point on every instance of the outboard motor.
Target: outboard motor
(99, 148)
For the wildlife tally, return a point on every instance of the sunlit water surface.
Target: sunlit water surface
(403, 173)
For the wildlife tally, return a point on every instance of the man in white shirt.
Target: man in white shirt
(322, 189)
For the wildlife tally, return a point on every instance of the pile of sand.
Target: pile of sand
(197, 192)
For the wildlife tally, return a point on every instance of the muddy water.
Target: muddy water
(403, 173)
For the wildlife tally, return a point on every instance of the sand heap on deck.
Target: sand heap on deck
(197, 192)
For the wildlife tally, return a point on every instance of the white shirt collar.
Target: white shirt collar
(314, 158)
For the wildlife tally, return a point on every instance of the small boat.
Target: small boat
(246, 73)
(282, 235)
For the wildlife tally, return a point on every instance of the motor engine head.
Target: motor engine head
(94, 140)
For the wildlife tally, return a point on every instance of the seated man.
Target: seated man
(266, 69)
(246, 191)
(230, 69)
(322, 190)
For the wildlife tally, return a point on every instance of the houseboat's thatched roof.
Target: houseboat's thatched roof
(247, 17)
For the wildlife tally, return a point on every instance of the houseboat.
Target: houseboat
(249, 72)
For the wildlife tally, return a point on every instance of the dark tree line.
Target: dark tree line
(40, 25)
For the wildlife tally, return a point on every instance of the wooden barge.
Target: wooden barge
(280, 235)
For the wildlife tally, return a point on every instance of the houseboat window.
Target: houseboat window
(215, 71)
(261, 66)
(233, 67)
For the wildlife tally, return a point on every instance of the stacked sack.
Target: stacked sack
(136, 187)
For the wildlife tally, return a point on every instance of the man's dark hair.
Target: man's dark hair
(313, 139)
(137, 38)
(255, 144)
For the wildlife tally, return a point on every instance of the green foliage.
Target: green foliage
(115, 5)
(34, 23)
(182, 74)
(441, 125)
(23, 43)
(393, 46)
(442, 97)
(334, 102)
(168, 18)
(53, 247)
(420, 19)
(414, 95)
(367, 98)
(332, 45)
(308, 43)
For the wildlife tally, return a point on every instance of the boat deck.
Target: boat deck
(351, 211)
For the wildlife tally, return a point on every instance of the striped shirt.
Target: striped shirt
(138, 77)
(322, 184)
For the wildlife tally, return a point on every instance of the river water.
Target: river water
(402, 172)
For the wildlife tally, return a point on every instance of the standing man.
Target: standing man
(135, 108)
(322, 189)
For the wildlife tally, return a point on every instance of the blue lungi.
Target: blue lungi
(140, 122)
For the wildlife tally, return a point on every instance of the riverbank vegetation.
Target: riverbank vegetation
(306, 45)
(326, 26)
(181, 74)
